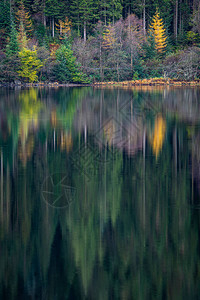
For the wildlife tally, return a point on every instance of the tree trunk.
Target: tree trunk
(144, 17)
(44, 21)
(180, 21)
(10, 10)
(131, 59)
(53, 27)
(78, 26)
(118, 72)
(176, 20)
(84, 31)
(44, 17)
(100, 61)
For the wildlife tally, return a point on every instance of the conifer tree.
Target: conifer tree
(75, 14)
(66, 69)
(22, 38)
(12, 46)
(4, 15)
(159, 33)
(115, 10)
(86, 11)
(23, 18)
(110, 11)
(53, 9)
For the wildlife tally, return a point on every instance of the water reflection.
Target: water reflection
(158, 134)
(131, 230)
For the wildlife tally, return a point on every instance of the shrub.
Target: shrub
(184, 65)
(66, 69)
(29, 65)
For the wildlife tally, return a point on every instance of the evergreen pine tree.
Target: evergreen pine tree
(110, 11)
(53, 9)
(66, 69)
(75, 14)
(12, 47)
(86, 14)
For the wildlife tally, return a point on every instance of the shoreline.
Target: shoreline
(150, 82)
(131, 83)
(39, 84)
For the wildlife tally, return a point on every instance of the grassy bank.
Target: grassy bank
(151, 82)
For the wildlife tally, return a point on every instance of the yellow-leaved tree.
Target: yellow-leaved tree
(64, 28)
(29, 64)
(108, 37)
(23, 18)
(22, 37)
(158, 32)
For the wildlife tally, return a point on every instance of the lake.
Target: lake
(100, 193)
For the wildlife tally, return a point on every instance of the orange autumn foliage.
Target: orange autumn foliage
(64, 28)
(108, 38)
(158, 135)
(159, 33)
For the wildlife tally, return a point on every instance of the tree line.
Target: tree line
(87, 41)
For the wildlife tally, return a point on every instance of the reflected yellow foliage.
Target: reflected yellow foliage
(69, 142)
(158, 135)
(25, 125)
(65, 141)
(25, 151)
(28, 116)
(109, 130)
(53, 118)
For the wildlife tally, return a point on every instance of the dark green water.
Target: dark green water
(100, 193)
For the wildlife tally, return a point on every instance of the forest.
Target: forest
(87, 41)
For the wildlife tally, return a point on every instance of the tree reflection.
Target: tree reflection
(132, 230)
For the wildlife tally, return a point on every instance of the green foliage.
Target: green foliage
(66, 69)
(53, 8)
(139, 71)
(110, 10)
(12, 47)
(4, 14)
(30, 65)
(149, 50)
(4, 22)
(135, 76)
(192, 37)
(40, 33)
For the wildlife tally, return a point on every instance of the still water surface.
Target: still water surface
(100, 193)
